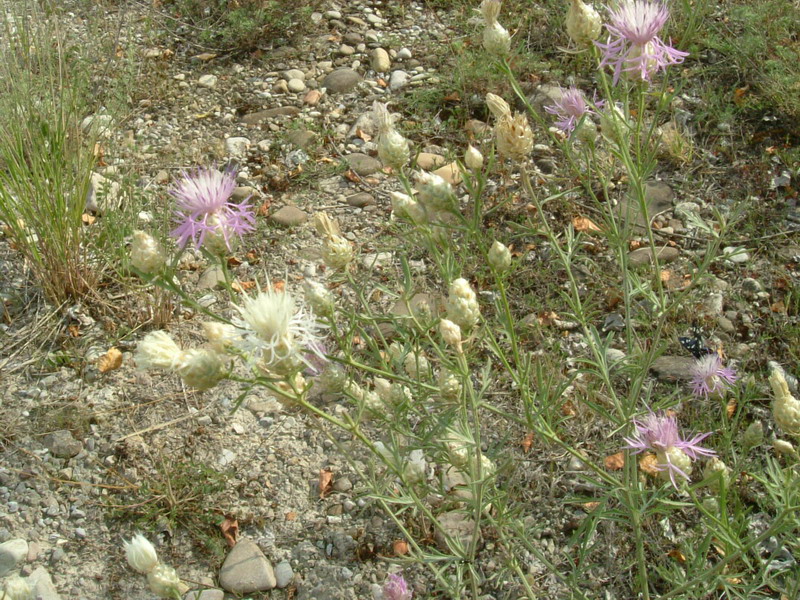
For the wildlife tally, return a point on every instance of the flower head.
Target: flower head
(203, 208)
(583, 23)
(396, 588)
(633, 44)
(497, 106)
(710, 378)
(201, 369)
(570, 109)
(147, 255)
(158, 351)
(786, 408)
(164, 581)
(462, 306)
(659, 433)
(514, 136)
(451, 334)
(337, 252)
(473, 159)
(141, 554)
(393, 149)
(435, 192)
(496, 39)
(275, 328)
(499, 256)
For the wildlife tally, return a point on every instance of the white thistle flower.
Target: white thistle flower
(473, 159)
(164, 581)
(583, 23)
(319, 298)
(497, 106)
(147, 254)
(499, 257)
(16, 588)
(783, 447)
(490, 9)
(140, 553)
(462, 305)
(274, 328)
(405, 207)
(434, 192)
(158, 351)
(201, 369)
(449, 386)
(337, 252)
(383, 387)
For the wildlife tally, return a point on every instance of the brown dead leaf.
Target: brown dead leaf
(648, 464)
(739, 95)
(614, 462)
(263, 210)
(382, 83)
(279, 286)
(730, 408)
(666, 275)
(325, 482)
(74, 330)
(363, 135)
(547, 318)
(527, 442)
(584, 224)
(778, 307)
(110, 361)
(590, 506)
(452, 97)
(291, 515)
(230, 530)
(568, 409)
(243, 286)
(351, 176)
(634, 245)
(98, 155)
(677, 555)
(400, 547)
(233, 261)
(88, 219)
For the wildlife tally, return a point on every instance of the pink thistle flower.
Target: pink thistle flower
(633, 44)
(710, 378)
(570, 109)
(396, 588)
(659, 433)
(203, 207)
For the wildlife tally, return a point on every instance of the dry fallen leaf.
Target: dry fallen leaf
(74, 330)
(648, 464)
(325, 482)
(291, 515)
(110, 360)
(590, 506)
(730, 408)
(615, 462)
(243, 286)
(230, 529)
(778, 307)
(88, 219)
(527, 442)
(400, 547)
(568, 409)
(584, 224)
(677, 555)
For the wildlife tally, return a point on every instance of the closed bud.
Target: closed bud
(319, 298)
(496, 40)
(415, 469)
(405, 207)
(393, 149)
(499, 257)
(201, 369)
(717, 473)
(490, 9)
(140, 554)
(473, 159)
(164, 581)
(784, 448)
(416, 365)
(220, 336)
(147, 255)
(753, 435)
(158, 351)
(583, 23)
(462, 305)
(497, 106)
(435, 193)
(449, 386)
(785, 408)
(514, 137)
(451, 334)
(337, 252)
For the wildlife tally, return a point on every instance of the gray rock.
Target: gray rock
(301, 138)
(398, 80)
(242, 193)
(289, 216)
(361, 199)
(751, 286)
(341, 81)
(673, 368)
(98, 125)
(713, 304)
(403, 54)
(212, 278)
(212, 594)
(283, 574)
(237, 146)
(104, 194)
(42, 585)
(684, 210)
(736, 254)
(62, 444)
(644, 256)
(270, 113)
(281, 87)
(12, 553)
(246, 569)
(295, 85)
(294, 74)
(454, 525)
(380, 60)
(545, 95)
(346, 50)
(363, 164)
(658, 198)
(207, 81)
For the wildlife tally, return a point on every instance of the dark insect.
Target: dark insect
(695, 343)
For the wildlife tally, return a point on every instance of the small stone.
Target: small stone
(212, 278)
(12, 553)
(403, 54)
(294, 74)
(713, 304)
(450, 173)
(237, 147)
(280, 87)
(361, 199)
(283, 574)
(429, 161)
(673, 368)
(342, 484)
(262, 115)
(100, 125)
(205, 57)
(161, 177)
(242, 193)
(62, 444)
(246, 569)
(398, 80)
(289, 216)
(42, 585)
(684, 210)
(644, 256)
(751, 286)
(312, 97)
(207, 81)
(212, 594)
(736, 254)
(57, 555)
(301, 138)
(296, 85)
(333, 14)
(341, 81)
(363, 164)
(346, 50)
(380, 60)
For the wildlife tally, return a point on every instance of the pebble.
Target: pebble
(403, 54)
(289, 216)
(12, 553)
(380, 60)
(296, 85)
(237, 147)
(42, 585)
(455, 525)
(341, 81)
(673, 368)
(363, 164)
(429, 161)
(398, 80)
(736, 254)
(283, 574)
(246, 569)
(361, 199)
(644, 256)
(294, 74)
(212, 594)
(62, 444)
(212, 278)
(208, 81)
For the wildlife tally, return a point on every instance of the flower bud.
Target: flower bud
(164, 581)
(383, 387)
(16, 588)
(451, 334)
(753, 435)
(416, 365)
(786, 408)
(499, 257)
(718, 474)
(783, 447)
(147, 254)
(497, 106)
(676, 457)
(496, 40)
(338, 252)
(490, 9)
(449, 386)
(220, 336)
(158, 351)
(333, 379)
(393, 149)
(201, 369)
(514, 137)
(406, 207)
(140, 553)
(434, 192)
(462, 305)
(319, 298)
(415, 469)
(473, 159)
(583, 23)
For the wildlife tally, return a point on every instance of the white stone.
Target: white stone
(12, 553)
(736, 254)
(207, 81)
(296, 85)
(237, 146)
(294, 74)
(403, 54)
(381, 61)
(398, 80)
